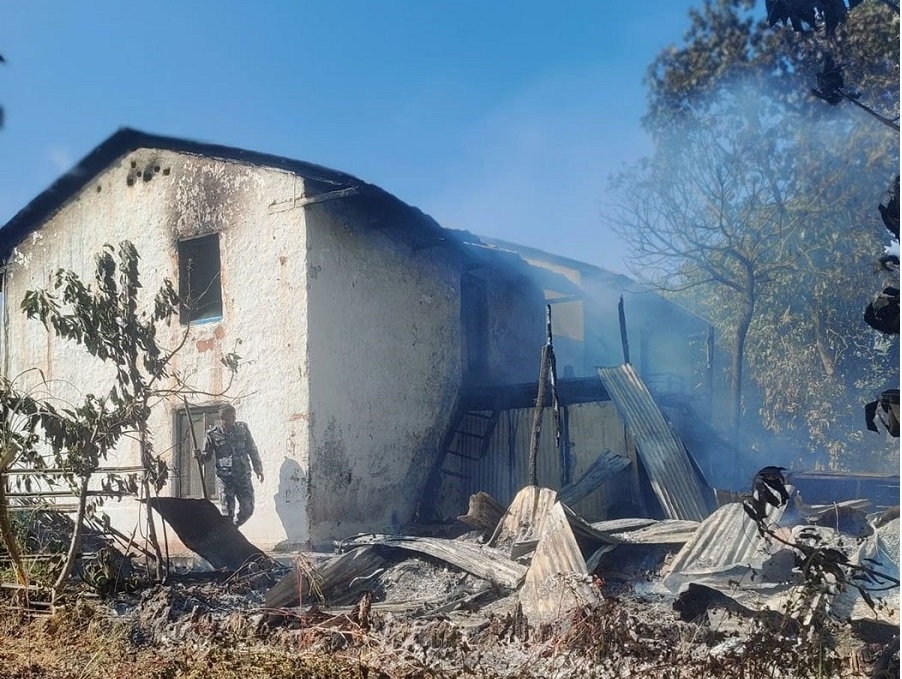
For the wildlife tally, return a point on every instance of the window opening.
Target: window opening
(200, 284)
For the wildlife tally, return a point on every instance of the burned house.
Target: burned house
(599, 318)
(666, 343)
(372, 341)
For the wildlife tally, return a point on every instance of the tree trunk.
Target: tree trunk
(75, 542)
(709, 374)
(738, 364)
(147, 463)
(9, 540)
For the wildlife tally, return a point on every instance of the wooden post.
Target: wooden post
(564, 449)
(561, 430)
(544, 369)
(537, 418)
(623, 339)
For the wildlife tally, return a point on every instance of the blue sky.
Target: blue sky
(504, 119)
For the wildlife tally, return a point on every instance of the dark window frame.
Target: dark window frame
(200, 279)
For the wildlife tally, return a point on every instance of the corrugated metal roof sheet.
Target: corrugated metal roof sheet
(504, 470)
(725, 539)
(668, 532)
(524, 518)
(556, 582)
(648, 531)
(663, 455)
(480, 560)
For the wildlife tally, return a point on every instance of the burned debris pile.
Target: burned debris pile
(544, 591)
(545, 575)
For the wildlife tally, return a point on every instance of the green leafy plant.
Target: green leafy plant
(106, 319)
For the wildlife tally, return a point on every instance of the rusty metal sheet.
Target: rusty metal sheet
(673, 479)
(557, 581)
(206, 532)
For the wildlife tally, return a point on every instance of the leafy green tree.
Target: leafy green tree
(814, 18)
(105, 317)
(78, 439)
(728, 42)
(754, 201)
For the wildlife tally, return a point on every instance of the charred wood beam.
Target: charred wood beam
(537, 415)
(561, 436)
(623, 339)
(484, 513)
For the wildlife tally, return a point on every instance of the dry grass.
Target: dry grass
(619, 638)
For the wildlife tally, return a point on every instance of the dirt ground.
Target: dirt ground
(196, 628)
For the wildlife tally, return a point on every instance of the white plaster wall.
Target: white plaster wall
(263, 277)
(384, 369)
(350, 341)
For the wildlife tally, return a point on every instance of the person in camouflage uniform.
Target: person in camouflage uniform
(231, 445)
